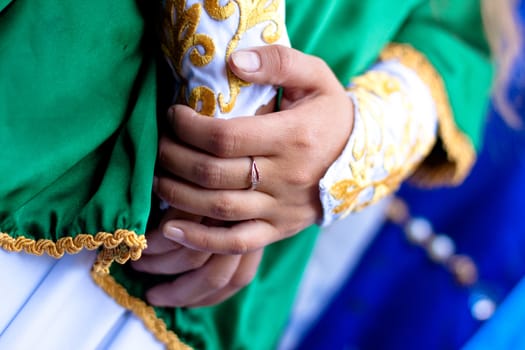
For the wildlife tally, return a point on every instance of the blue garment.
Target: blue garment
(397, 298)
(505, 329)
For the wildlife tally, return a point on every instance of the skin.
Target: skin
(207, 165)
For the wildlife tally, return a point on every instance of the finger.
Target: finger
(239, 238)
(196, 285)
(173, 262)
(227, 138)
(157, 243)
(244, 275)
(280, 65)
(227, 205)
(203, 169)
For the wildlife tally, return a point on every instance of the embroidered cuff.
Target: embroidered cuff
(395, 124)
(455, 154)
(206, 33)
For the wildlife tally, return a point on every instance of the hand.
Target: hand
(206, 278)
(293, 148)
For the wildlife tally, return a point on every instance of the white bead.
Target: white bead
(441, 248)
(483, 309)
(418, 230)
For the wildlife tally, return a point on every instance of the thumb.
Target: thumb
(280, 65)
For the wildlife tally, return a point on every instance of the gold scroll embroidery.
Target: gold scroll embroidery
(251, 13)
(370, 90)
(459, 150)
(180, 36)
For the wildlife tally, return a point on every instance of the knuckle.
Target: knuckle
(222, 143)
(300, 178)
(305, 138)
(204, 242)
(224, 208)
(196, 260)
(303, 178)
(238, 246)
(163, 156)
(216, 281)
(172, 193)
(243, 279)
(167, 190)
(320, 63)
(283, 60)
(207, 174)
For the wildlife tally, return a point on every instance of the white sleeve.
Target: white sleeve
(198, 40)
(395, 125)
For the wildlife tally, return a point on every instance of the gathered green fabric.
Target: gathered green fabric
(77, 118)
(78, 128)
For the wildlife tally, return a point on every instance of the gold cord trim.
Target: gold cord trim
(119, 246)
(459, 150)
(142, 310)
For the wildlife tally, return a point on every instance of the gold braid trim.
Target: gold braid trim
(459, 150)
(119, 246)
(142, 310)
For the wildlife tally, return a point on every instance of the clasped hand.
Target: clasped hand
(206, 173)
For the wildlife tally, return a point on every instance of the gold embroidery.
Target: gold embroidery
(400, 159)
(182, 37)
(179, 36)
(120, 246)
(460, 151)
(202, 100)
(218, 12)
(378, 83)
(251, 13)
(142, 310)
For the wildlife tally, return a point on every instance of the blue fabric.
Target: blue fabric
(505, 329)
(398, 299)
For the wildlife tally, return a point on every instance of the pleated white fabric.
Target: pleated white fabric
(54, 304)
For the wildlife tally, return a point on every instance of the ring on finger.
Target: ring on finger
(255, 177)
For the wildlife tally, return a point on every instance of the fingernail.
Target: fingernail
(173, 233)
(248, 61)
(153, 298)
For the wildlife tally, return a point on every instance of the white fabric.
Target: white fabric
(213, 75)
(335, 256)
(414, 99)
(54, 304)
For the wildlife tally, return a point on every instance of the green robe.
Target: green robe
(78, 127)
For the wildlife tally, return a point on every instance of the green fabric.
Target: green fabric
(78, 133)
(77, 118)
(349, 35)
(4, 3)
